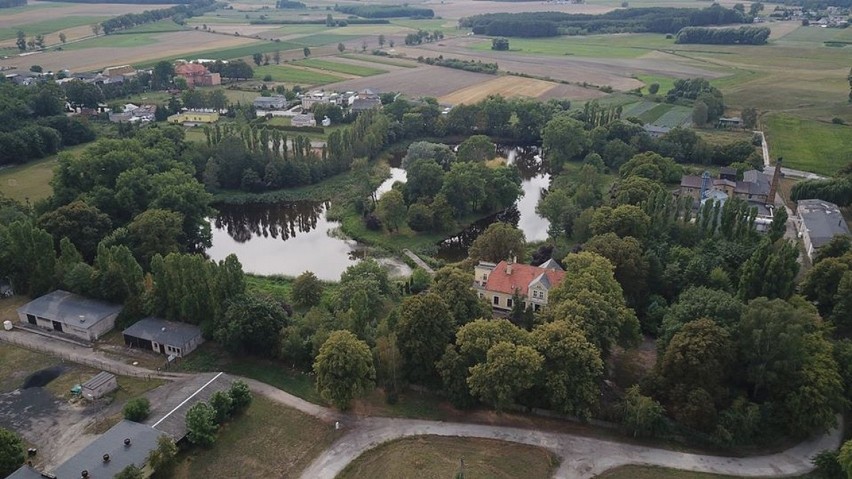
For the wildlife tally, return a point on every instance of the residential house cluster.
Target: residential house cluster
(197, 74)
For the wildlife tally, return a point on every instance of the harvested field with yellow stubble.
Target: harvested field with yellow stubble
(512, 86)
(168, 44)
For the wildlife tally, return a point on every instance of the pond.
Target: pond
(522, 214)
(288, 239)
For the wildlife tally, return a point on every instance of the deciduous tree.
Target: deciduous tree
(201, 424)
(500, 241)
(508, 370)
(11, 452)
(424, 329)
(344, 369)
(307, 290)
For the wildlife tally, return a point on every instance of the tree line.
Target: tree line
(289, 4)
(12, 3)
(724, 36)
(636, 20)
(467, 65)
(837, 190)
(178, 12)
(33, 123)
(385, 11)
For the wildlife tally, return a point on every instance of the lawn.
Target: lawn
(807, 144)
(279, 287)
(597, 46)
(32, 180)
(281, 73)
(650, 472)
(436, 456)
(268, 440)
(666, 83)
(346, 68)
(18, 363)
(48, 26)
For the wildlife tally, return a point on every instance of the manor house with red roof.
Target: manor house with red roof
(497, 283)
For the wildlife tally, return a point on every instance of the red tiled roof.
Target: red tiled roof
(522, 274)
(190, 69)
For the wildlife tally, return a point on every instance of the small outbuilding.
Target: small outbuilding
(102, 384)
(165, 337)
(72, 314)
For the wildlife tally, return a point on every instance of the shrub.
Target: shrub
(240, 396)
(838, 121)
(137, 409)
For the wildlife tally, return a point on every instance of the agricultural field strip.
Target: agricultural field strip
(45, 27)
(380, 60)
(638, 108)
(676, 116)
(346, 68)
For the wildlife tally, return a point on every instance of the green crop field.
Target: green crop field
(320, 39)
(597, 46)
(48, 26)
(380, 60)
(156, 27)
(807, 144)
(666, 83)
(128, 40)
(676, 116)
(346, 68)
(286, 74)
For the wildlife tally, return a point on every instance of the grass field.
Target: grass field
(666, 83)
(648, 472)
(48, 26)
(598, 46)
(268, 440)
(345, 68)
(229, 53)
(32, 180)
(436, 456)
(807, 144)
(125, 40)
(320, 39)
(380, 60)
(287, 74)
(660, 114)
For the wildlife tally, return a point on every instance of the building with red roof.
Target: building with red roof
(498, 283)
(197, 74)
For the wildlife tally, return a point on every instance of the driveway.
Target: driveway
(582, 457)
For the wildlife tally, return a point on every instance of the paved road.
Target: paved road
(582, 457)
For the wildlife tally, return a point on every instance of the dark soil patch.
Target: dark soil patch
(40, 379)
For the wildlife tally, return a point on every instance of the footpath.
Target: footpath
(582, 457)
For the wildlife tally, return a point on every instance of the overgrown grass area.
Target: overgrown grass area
(32, 180)
(18, 363)
(280, 287)
(807, 144)
(436, 456)
(346, 68)
(650, 472)
(286, 74)
(49, 25)
(268, 440)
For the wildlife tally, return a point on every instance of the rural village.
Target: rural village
(432, 239)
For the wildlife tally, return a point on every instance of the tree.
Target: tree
(631, 266)
(307, 290)
(424, 329)
(341, 47)
(425, 179)
(750, 117)
(21, 41)
(572, 368)
(508, 370)
(641, 415)
(222, 405)
(699, 113)
(257, 58)
(419, 217)
(698, 356)
(306, 51)
(155, 231)
(838, 246)
(500, 44)
(137, 409)
(83, 224)
(653, 88)
(201, 424)
(251, 324)
(130, 472)
(388, 365)
(755, 8)
(476, 148)
(770, 271)
(30, 258)
(381, 41)
(453, 286)
(779, 224)
(500, 241)
(276, 57)
(697, 303)
(391, 210)
(564, 139)
(344, 369)
(241, 397)
(364, 46)
(164, 458)
(623, 220)
(11, 452)
(96, 28)
(844, 458)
